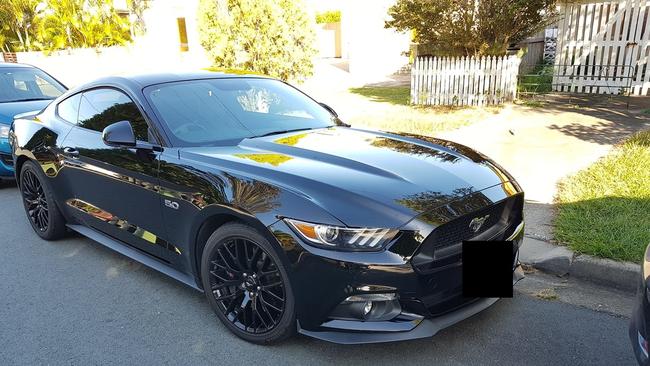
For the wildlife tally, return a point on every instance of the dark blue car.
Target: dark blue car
(23, 88)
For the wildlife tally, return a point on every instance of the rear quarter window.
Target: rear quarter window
(68, 109)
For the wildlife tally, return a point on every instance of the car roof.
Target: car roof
(147, 79)
(15, 65)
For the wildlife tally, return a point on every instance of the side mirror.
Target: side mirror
(330, 109)
(119, 134)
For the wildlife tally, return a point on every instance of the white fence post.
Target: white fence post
(603, 47)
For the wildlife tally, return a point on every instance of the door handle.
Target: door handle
(71, 151)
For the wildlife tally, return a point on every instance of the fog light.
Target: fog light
(367, 308)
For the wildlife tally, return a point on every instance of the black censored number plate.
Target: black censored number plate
(487, 268)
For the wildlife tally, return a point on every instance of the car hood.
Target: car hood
(9, 110)
(361, 176)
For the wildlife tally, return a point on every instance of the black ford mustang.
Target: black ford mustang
(247, 189)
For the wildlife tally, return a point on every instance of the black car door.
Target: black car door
(115, 188)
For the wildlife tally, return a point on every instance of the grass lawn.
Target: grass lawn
(391, 111)
(604, 210)
(400, 95)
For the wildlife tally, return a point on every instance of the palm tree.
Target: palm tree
(83, 23)
(18, 21)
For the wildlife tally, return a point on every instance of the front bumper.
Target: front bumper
(422, 328)
(429, 302)
(419, 328)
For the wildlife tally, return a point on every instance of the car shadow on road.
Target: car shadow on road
(8, 184)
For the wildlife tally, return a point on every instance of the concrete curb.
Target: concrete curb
(561, 261)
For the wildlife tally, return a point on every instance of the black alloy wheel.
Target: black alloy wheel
(246, 285)
(38, 200)
(35, 200)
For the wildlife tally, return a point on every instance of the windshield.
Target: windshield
(21, 84)
(206, 112)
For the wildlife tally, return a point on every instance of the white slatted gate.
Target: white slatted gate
(603, 47)
(464, 80)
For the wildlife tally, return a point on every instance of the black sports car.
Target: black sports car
(247, 189)
(639, 325)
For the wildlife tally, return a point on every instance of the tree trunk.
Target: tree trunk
(28, 43)
(20, 38)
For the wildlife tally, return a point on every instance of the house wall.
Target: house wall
(159, 49)
(162, 26)
(328, 37)
(75, 67)
(371, 48)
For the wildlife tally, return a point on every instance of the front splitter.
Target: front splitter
(426, 327)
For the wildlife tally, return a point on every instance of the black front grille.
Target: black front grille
(458, 230)
(7, 159)
(443, 247)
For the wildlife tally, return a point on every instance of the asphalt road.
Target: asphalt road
(76, 302)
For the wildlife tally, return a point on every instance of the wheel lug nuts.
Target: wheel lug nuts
(259, 287)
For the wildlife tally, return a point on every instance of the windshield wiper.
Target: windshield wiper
(285, 131)
(25, 100)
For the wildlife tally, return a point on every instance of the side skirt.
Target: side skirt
(136, 255)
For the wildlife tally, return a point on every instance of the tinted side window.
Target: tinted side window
(102, 107)
(69, 108)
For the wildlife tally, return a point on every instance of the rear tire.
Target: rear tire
(40, 206)
(247, 284)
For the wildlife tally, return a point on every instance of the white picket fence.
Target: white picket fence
(604, 47)
(464, 80)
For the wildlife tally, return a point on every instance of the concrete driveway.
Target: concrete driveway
(74, 302)
(542, 145)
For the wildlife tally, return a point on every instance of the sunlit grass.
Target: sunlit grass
(397, 115)
(604, 210)
(400, 95)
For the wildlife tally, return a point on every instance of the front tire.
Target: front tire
(247, 285)
(40, 206)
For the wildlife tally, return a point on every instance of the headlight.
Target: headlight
(4, 132)
(342, 238)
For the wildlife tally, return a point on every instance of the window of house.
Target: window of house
(182, 34)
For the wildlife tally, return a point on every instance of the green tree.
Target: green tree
(27, 25)
(82, 23)
(18, 23)
(330, 16)
(273, 37)
(471, 27)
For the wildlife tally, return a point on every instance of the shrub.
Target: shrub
(272, 37)
(331, 16)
